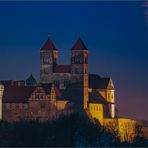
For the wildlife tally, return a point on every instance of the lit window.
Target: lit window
(112, 96)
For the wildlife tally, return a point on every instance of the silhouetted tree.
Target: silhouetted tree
(68, 131)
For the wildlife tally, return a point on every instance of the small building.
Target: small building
(41, 102)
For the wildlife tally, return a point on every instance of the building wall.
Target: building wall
(61, 79)
(40, 106)
(44, 106)
(34, 110)
(13, 112)
(41, 110)
(48, 61)
(96, 111)
(85, 89)
(110, 97)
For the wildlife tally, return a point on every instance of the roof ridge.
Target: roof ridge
(49, 45)
(79, 45)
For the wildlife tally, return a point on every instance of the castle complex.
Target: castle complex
(62, 89)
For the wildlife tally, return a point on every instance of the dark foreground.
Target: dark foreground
(72, 131)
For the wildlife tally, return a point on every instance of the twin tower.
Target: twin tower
(63, 75)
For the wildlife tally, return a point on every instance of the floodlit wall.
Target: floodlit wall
(96, 111)
(110, 97)
(14, 112)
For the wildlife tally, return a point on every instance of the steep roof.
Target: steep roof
(97, 82)
(21, 94)
(47, 88)
(79, 45)
(95, 97)
(63, 69)
(31, 79)
(17, 94)
(49, 45)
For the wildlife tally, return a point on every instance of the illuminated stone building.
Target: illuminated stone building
(100, 98)
(62, 89)
(42, 102)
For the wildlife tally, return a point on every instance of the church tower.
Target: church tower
(79, 68)
(48, 61)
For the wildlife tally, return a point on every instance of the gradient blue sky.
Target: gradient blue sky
(116, 34)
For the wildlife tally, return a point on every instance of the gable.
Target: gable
(39, 93)
(110, 85)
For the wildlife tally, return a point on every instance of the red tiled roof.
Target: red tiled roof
(79, 45)
(49, 45)
(21, 94)
(17, 94)
(96, 97)
(63, 69)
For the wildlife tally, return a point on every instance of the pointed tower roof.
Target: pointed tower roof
(79, 45)
(31, 81)
(31, 78)
(49, 45)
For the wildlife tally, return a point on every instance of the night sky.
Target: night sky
(116, 34)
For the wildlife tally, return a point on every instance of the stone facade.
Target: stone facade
(13, 112)
(51, 72)
(62, 90)
(63, 75)
(43, 102)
